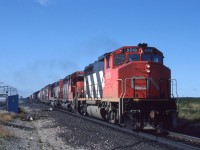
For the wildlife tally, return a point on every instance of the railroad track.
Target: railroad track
(174, 139)
(186, 138)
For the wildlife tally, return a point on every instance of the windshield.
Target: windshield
(154, 58)
(119, 59)
(133, 57)
(146, 57)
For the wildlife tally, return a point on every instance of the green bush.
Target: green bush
(189, 108)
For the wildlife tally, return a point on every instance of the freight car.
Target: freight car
(129, 86)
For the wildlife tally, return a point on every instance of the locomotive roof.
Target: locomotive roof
(89, 66)
(100, 58)
(145, 49)
(140, 45)
(68, 76)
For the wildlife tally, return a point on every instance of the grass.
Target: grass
(189, 109)
(7, 117)
(4, 133)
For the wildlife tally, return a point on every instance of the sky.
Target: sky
(42, 41)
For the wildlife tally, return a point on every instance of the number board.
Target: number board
(148, 50)
(131, 49)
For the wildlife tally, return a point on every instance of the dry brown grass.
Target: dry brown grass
(21, 115)
(6, 116)
(4, 133)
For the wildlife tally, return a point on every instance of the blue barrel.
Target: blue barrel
(13, 103)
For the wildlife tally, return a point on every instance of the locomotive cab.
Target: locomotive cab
(136, 68)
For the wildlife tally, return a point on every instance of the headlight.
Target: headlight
(148, 70)
(148, 65)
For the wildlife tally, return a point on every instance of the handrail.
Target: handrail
(120, 100)
(176, 92)
(122, 86)
(172, 81)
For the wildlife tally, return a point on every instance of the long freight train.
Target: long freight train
(129, 86)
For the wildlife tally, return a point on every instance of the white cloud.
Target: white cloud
(43, 2)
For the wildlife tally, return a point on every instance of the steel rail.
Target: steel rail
(187, 138)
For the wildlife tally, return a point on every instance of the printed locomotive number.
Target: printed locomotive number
(131, 50)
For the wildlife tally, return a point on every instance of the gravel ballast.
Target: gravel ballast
(55, 130)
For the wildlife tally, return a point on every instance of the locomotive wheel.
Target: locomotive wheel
(128, 122)
(84, 109)
(136, 124)
(83, 112)
(171, 121)
(174, 120)
(112, 117)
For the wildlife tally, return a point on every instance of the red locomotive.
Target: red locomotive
(130, 86)
(73, 89)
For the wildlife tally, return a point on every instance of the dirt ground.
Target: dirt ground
(20, 132)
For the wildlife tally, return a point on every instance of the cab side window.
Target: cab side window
(157, 58)
(108, 62)
(119, 59)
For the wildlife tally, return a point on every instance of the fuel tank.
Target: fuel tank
(96, 112)
(66, 106)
